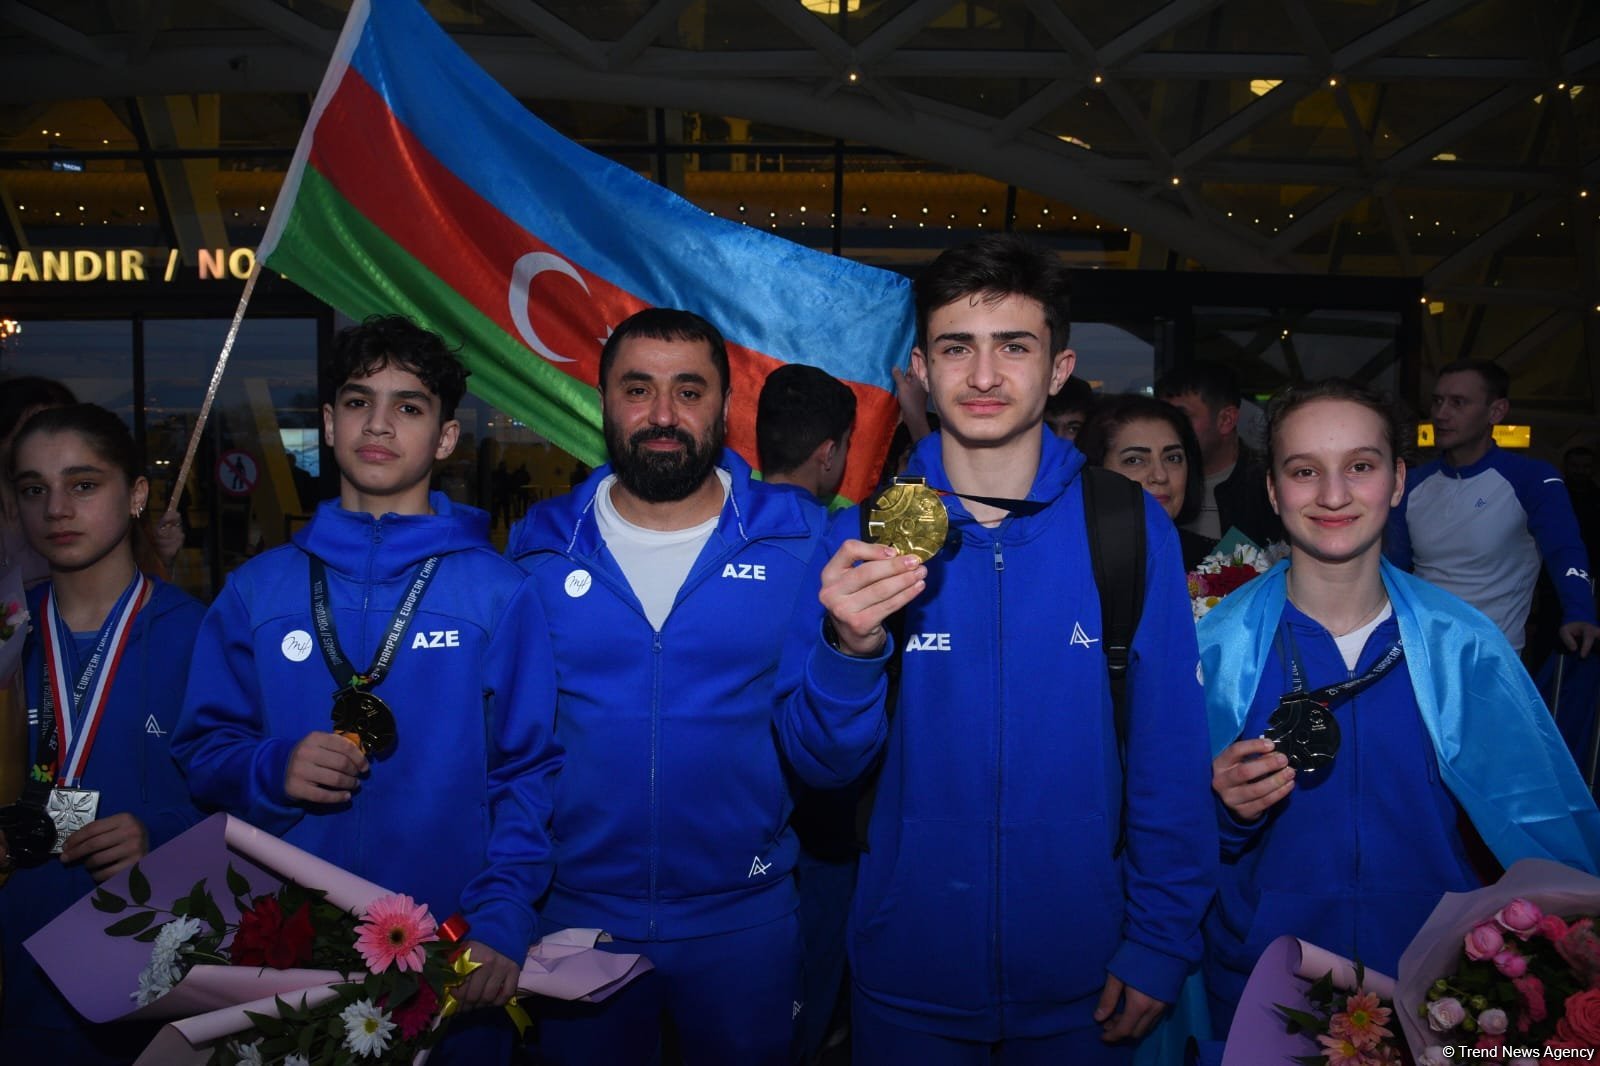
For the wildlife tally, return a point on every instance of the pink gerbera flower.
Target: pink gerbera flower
(1361, 1022)
(393, 931)
(1341, 1051)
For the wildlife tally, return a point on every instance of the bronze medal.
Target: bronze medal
(909, 517)
(364, 720)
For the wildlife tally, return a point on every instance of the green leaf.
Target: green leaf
(108, 902)
(1298, 1021)
(138, 886)
(236, 882)
(149, 935)
(180, 907)
(133, 923)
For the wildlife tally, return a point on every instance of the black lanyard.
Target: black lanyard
(1328, 693)
(328, 639)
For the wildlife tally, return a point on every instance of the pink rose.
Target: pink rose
(1493, 1021)
(1511, 964)
(1445, 1014)
(1484, 942)
(1519, 917)
(1551, 927)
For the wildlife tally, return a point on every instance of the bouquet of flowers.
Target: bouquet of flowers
(1235, 561)
(13, 616)
(1513, 969)
(299, 961)
(398, 969)
(1307, 1005)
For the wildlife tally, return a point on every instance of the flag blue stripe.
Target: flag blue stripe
(763, 292)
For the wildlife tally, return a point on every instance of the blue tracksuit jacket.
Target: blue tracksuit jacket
(131, 766)
(456, 814)
(672, 811)
(1354, 862)
(990, 905)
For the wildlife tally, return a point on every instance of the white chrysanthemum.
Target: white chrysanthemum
(296, 1060)
(366, 1028)
(164, 968)
(245, 1054)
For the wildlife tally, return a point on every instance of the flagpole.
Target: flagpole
(211, 395)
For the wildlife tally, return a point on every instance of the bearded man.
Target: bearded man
(670, 578)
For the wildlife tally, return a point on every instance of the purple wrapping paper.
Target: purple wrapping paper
(1281, 976)
(98, 973)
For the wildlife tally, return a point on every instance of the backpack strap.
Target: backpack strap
(1113, 511)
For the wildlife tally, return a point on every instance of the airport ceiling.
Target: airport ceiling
(1453, 140)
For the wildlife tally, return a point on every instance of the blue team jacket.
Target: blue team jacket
(672, 811)
(990, 905)
(132, 767)
(456, 814)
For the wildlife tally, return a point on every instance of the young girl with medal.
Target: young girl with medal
(105, 667)
(1359, 714)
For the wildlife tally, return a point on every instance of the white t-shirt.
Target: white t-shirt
(1351, 643)
(654, 561)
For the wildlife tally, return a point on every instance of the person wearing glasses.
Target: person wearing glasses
(1357, 713)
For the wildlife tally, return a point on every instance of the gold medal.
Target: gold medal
(909, 517)
(364, 720)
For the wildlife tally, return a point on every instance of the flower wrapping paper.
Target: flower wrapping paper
(210, 1002)
(1282, 975)
(1436, 949)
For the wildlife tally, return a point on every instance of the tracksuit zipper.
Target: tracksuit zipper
(999, 776)
(655, 753)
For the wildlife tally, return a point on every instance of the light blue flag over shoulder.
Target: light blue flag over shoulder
(1498, 748)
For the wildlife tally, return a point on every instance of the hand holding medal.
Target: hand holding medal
(909, 517)
(364, 720)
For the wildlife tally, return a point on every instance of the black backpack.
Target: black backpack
(1113, 510)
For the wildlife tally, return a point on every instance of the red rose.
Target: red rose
(417, 1014)
(1582, 1021)
(265, 938)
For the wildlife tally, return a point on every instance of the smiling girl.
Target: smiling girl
(1392, 709)
(105, 667)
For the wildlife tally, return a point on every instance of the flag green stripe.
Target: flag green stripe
(338, 255)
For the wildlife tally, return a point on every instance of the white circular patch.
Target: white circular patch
(578, 583)
(297, 646)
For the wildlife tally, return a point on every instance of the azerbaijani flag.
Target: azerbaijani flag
(422, 187)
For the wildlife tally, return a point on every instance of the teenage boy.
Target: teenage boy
(1022, 899)
(670, 578)
(380, 692)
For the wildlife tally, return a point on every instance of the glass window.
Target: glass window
(249, 489)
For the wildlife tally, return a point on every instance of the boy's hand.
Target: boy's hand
(493, 983)
(107, 846)
(324, 768)
(860, 598)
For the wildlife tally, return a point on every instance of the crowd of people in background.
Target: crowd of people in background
(997, 799)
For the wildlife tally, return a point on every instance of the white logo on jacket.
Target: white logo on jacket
(1573, 571)
(437, 638)
(1080, 637)
(928, 642)
(757, 867)
(747, 571)
(153, 727)
(297, 646)
(578, 583)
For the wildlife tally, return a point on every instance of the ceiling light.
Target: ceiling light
(829, 7)
(1263, 86)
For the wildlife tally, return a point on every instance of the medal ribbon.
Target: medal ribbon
(73, 731)
(328, 638)
(1328, 693)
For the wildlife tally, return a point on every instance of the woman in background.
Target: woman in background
(1152, 443)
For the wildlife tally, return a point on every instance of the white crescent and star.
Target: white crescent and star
(523, 272)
